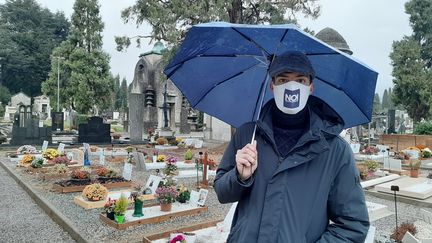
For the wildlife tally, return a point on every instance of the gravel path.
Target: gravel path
(22, 219)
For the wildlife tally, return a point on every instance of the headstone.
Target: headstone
(61, 147)
(194, 197)
(139, 157)
(26, 130)
(153, 183)
(127, 171)
(57, 121)
(392, 164)
(409, 238)
(202, 197)
(184, 124)
(95, 131)
(44, 145)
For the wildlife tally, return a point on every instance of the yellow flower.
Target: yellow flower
(161, 158)
(27, 159)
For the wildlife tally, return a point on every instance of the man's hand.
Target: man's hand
(247, 161)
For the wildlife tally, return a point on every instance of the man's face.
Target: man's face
(291, 76)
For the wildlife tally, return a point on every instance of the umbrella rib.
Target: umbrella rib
(250, 40)
(223, 81)
(342, 91)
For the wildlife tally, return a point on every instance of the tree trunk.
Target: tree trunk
(236, 12)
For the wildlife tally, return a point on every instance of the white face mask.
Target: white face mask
(291, 97)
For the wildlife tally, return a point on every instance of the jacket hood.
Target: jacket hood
(322, 117)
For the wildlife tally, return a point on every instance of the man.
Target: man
(298, 174)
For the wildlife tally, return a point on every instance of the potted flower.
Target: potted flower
(371, 166)
(188, 156)
(95, 192)
(27, 160)
(414, 165)
(81, 174)
(63, 159)
(170, 167)
(178, 239)
(109, 208)
(50, 154)
(166, 195)
(162, 141)
(184, 194)
(26, 149)
(120, 208)
(161, 158)
(37, 163)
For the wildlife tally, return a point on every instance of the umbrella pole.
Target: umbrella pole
(259, 112)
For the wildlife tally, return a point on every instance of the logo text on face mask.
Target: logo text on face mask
(291, 98)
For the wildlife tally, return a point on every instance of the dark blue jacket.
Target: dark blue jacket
(292, 199)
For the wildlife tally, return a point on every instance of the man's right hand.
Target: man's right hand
(247, 161)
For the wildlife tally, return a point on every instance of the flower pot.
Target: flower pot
(138, 209)
(414, 173)
(190, 237)
(110, 215)
(119, 218)
(188, 161)
(165, 207)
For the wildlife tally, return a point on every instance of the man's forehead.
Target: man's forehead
(288, 74)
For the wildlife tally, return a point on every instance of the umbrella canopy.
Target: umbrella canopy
(222, 69)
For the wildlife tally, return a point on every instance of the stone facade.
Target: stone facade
(41, 106)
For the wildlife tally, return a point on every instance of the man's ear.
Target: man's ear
(311, 89)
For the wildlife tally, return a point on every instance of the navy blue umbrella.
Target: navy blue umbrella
(222, 69)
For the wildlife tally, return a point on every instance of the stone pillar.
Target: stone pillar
(136, 103)
(184, 125)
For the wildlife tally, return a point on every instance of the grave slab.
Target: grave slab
(377, 211)
(420, 188)
(153, 214)
(161, 165)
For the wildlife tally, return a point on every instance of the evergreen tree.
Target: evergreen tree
(86, 82)
(124, 96)
(28, 35)
(411, 59)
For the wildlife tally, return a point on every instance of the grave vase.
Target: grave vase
(138, 209)
(414, 173)
(119, 218)
(110, 215)
(165, 207)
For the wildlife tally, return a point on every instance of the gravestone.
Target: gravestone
(57, 121)
(26, 130)
(392, 164)
(184, 124)
(95, 131)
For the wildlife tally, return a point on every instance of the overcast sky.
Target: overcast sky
(368, 26)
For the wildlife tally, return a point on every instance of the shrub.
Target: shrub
(423, 128)
(121, 205)
(188, 155)
(399, 232)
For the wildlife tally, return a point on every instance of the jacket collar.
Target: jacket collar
(323, 123)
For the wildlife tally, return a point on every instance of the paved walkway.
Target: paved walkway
(21, 218)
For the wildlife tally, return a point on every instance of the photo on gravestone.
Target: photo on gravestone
(202, 197)
(153, 183)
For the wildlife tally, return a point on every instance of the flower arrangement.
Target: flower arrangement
(166, 194)
(37, 163)
(26, 149)
(161, 158)
(50, 154)
(121, 205)
(59, 169)
(370, 150)
(63, 159)
(161, 141)
(80, 174)
(184, 194)
(178, 239)
(95, 192)
(170, 167)
(188, 155)
(27, 160)
(371, 165)
(102, 171)
(109, 205)
(426, 153)
(414, 164)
